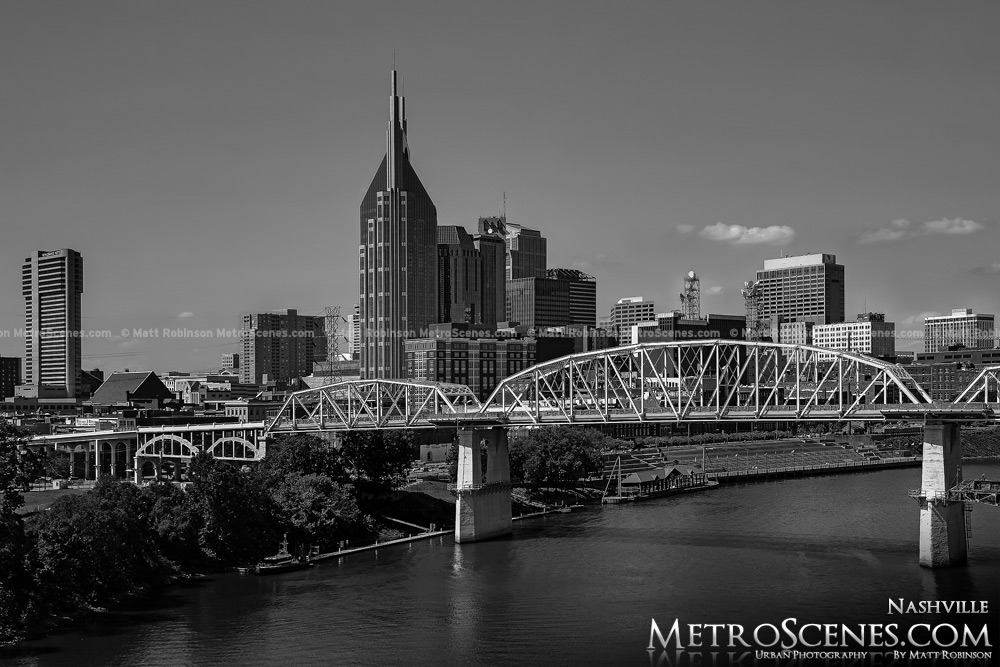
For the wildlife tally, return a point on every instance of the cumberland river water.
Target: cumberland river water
(579, 588)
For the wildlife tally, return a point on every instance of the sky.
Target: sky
(208, 158)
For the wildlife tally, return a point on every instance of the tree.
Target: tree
(174, 523)
(378, 460)
(304, 454)
(15, 576)
(556, 455)
(233, 511)
(315, 509)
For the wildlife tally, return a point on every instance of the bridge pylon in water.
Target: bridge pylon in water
(943, 540)
(483, 510)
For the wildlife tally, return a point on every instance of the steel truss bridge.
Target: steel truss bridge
(679, 382)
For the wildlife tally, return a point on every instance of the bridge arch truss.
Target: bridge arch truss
(373, 404)
(708, 380)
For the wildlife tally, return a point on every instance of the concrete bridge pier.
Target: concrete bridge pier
(942, 521)
(483, 508)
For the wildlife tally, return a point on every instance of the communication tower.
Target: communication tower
(753, 296)
(330, 368)
(691, 297)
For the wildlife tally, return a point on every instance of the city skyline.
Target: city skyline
(203, 177)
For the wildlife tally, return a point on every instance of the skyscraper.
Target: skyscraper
(398, 255)
(460, 292)
(582, 295)
(491, 243)
(628, 312)
(804, 288)
(52, 285)
(526, 252)
(281, 346)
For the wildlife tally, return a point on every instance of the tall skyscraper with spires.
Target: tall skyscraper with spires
(397, 255)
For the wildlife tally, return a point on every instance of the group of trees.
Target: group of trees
(556, 455)
(93, 549)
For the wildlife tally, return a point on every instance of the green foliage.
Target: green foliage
(555, 455)
(315, 509)
(378, 460)
(16, 584)
(233, 512)
(56, 464)
(94, 549)
(304, 454)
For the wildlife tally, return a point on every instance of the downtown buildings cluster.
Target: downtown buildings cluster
(438, 303)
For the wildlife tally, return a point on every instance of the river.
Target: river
(579, 588)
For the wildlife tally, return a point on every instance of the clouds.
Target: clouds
(714, 289)
(918, 319)
(740, 235)
(991, 269)
(901, 228)
(186, 314)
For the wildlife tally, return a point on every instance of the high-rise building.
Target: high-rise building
(526, 252)
(538, 302)
(460, 289)
(52, 285)
(492, 246)
(231, 361)
(356, 333)
(628, 312)
(279, 347)
(397, 255)
(870, 335)
(10, 375)
(802, 288)
(582, 295)
(961, 328)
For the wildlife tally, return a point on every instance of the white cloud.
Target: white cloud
(953, 226)
(740, 235)
(714, 289)
(919, 318)
(903, 228)
(186, 314)
(685, 229)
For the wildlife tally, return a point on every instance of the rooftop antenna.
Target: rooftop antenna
(505, 206)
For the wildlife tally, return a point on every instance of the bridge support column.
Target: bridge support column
(942, 521)
(483, 508)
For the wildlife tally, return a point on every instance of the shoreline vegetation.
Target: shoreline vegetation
(87, 552)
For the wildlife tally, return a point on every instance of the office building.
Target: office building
(962, 328)
(397, 255)
(52, 286)
(803, 287)
(582, 295)
(480, 363)
(538, 302)
(355, 342)
(231, 361)
(673, 326)
(460, 288)
(526, 252)
(492, 246)
(280, 347)
(628, 312)
(870, 335)
(796, 333)
(10, 376)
